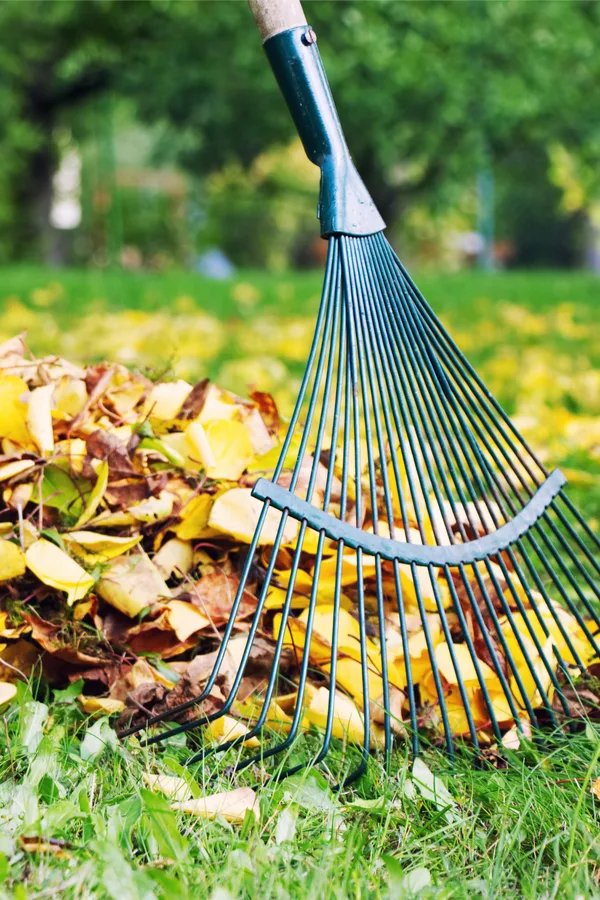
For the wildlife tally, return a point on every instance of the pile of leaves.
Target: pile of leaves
(125, 517)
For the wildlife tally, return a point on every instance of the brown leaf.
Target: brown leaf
(50, 636)
(194, 402)
(45, 845)
(268, 410)
(214, 594)
(104, 445)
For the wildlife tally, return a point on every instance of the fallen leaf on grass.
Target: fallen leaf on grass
(595, 788)
(53, 846)
(103, 705)
(232, 805)
(7, 692)
(171, 786)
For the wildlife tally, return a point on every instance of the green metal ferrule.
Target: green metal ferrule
(345, 205)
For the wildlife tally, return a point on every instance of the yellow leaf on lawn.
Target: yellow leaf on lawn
(96, 494)
(223, 448)
(226, 728)
(595, 788)
(185, 619)
(13, 411)
(104, 705)
(237, 513)
(232, 805)
(17, 467)
(12, 561)
(165, 400)
(171, 786)
(39, 418)
(194, 519)
(175, 557)
(52, 566)
(7, 692)
(94, 547)
(131, 583)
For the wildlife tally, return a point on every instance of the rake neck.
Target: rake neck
(345, 205)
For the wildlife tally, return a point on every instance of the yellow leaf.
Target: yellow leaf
(185, 619)
(347, 721)
(93, 547)
(232, 805)
(13, 411)
(17, 467)
(7, 692)
(171, 786)
(237, 513)
(222, 447)
(154, 508)
(106, 706)
(175, 557)
(165, 400)
(96, 494)
(194, 519)
(217, 406)
(70, 396)
(39, 418)
(12, 561)
(226, 728)
(595, 788)
(465, 666)
(131, 583)
(52, 566)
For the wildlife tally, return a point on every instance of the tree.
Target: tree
(426, 91)
(55, 55)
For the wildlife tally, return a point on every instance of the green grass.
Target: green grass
(530, 830)
(527, 831)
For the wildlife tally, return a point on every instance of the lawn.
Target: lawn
(529, 829)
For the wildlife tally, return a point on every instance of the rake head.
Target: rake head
(418, 572)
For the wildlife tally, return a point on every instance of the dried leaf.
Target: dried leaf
(104, 705)
(171, 786)
(96, 494)
(12, 561)
(94, 547)
(175, 557)
(53, 567)
(131, 583)
(13, 411)
(7, 692)
(232, 805)
(185, 619)
(39, 418)
(236, 513)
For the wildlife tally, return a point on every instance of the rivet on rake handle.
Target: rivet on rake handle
(491, 578)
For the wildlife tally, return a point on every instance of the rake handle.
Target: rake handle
(274, 16)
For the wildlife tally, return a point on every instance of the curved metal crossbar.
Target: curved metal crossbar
(375, 545)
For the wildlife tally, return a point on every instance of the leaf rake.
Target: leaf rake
(458, 580)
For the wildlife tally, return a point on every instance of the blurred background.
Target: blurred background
(157, 209)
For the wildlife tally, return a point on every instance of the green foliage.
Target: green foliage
(428, 93)
(87, 828)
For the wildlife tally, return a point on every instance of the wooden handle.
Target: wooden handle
(273, 16)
